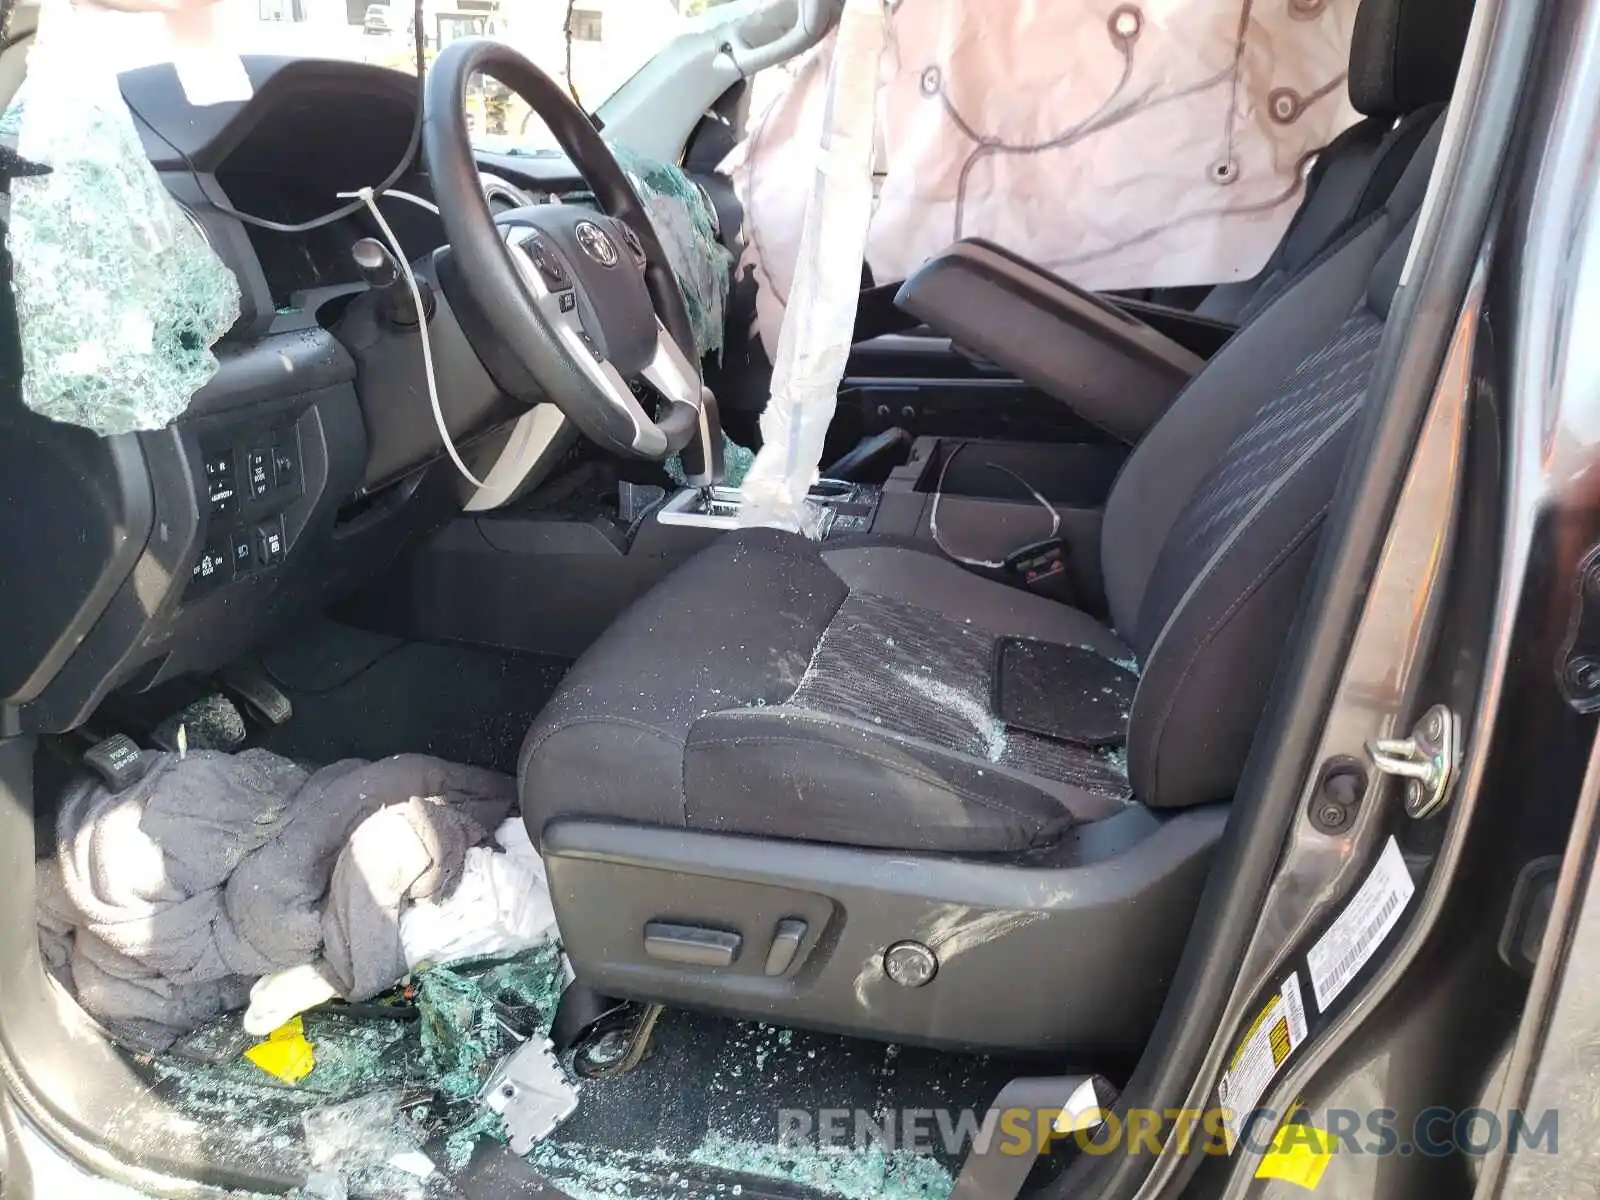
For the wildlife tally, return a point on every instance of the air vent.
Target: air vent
(503, 196)
(194, 223)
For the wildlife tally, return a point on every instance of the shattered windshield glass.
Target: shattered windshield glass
(591, 46)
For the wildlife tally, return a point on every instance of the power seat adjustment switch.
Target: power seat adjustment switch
(786, 941)
(691, 945)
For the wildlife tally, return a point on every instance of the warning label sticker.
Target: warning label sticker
(1277, 1030)
(1338, 955)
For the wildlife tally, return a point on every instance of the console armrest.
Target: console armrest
(1204, 335)
(1109, 367)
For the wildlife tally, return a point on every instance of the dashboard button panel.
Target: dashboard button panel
(242, 551)
(213, 567)
(251, 479)
(269, 543)
(258, 469)
(221, 489)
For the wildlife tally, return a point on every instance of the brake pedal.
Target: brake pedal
(251, 687)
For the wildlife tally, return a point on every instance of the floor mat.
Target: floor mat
(720, 1095)
(366, 695)
(703, 1116)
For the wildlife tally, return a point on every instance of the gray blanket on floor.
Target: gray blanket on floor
(164, 902)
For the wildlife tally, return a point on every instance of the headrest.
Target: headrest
(1404, 54)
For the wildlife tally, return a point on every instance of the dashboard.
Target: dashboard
(310, 458)
(313, 130)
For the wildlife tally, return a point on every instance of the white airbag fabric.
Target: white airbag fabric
(1155, 143)
(815, 339)
(501, 905)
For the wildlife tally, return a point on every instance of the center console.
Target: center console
(840, 507)
(984, 501)
(551, 579)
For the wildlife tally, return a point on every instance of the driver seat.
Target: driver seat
(777, 786)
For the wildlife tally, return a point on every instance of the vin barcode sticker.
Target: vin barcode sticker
(1276, 1031)
(1356, 935)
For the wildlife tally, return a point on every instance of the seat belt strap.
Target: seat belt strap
(1389, 161)
(1055, 1107)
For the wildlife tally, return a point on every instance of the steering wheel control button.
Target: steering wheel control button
(596, 243)
(635, 246)
(569, 301)
(910, 964)
(269, 544)
(546, 262)
(258, 470)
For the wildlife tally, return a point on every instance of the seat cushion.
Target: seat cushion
(773, 686)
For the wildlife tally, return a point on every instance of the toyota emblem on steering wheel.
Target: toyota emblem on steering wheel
(596, 244)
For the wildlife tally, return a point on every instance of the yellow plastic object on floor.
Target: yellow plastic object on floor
(286, 1054)
(1299, 1155)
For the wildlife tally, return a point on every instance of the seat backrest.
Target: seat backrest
(1211, 527)
(1404, 55)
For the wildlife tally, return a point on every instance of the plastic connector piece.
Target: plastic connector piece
(530, 1093)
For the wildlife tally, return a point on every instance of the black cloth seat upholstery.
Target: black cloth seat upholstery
(841, 693)
(776, 686)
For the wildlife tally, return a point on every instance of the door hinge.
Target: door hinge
(1426, 760)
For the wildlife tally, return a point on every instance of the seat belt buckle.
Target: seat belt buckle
(1041, 567)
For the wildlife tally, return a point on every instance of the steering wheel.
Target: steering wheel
(582, 302)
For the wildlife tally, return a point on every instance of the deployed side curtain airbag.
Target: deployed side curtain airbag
(1116, 143)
